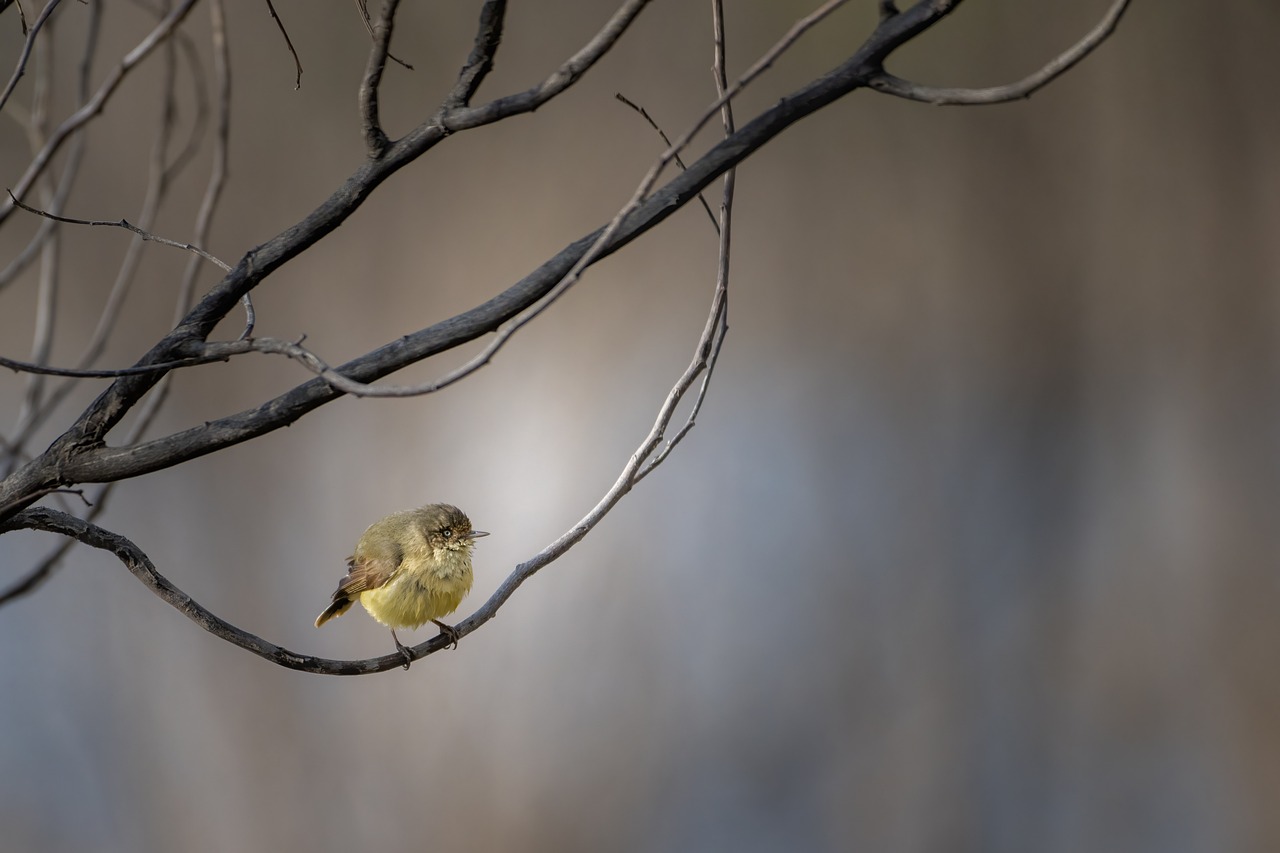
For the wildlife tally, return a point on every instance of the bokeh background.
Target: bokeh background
(975, 546)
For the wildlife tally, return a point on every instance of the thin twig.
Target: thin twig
(297, 63)
(1024, 88)
(84, 373)
(20, 68)
(128, 226)
(667, 141)
(708, 352)
(22, 13)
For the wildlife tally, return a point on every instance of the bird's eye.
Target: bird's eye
(447, 533)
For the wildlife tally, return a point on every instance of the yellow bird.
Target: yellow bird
(409, 568)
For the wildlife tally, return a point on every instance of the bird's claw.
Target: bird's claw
(403, 649)
(449, 632)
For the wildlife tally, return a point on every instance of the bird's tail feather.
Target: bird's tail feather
(340, 605)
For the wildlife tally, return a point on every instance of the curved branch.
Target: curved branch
(1024, 88)
(140, 565)
(465, 118)
(375, 139)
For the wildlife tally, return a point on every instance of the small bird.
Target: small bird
(409, 568)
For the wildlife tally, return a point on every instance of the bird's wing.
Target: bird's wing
(369, 571)
(369, 568)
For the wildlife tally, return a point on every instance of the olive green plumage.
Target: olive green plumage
(409, 568)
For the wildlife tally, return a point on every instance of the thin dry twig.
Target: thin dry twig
(1024, 88)
(128, 226)
(662, 134)
(20, 67)
(297, 63)
(22, 13)
(712, 339)
(19, 366)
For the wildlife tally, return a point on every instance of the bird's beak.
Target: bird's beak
(476, 534)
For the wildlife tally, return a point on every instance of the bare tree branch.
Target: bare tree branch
(1024, 88)
(363, 8)
(375, 139)
(480, 62)
(81, 455)
(456, 118)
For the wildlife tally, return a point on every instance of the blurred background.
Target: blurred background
(974, 547)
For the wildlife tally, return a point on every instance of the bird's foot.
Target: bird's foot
(450, 632)
(404, 650)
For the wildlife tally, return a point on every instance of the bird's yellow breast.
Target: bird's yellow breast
(421, 590)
